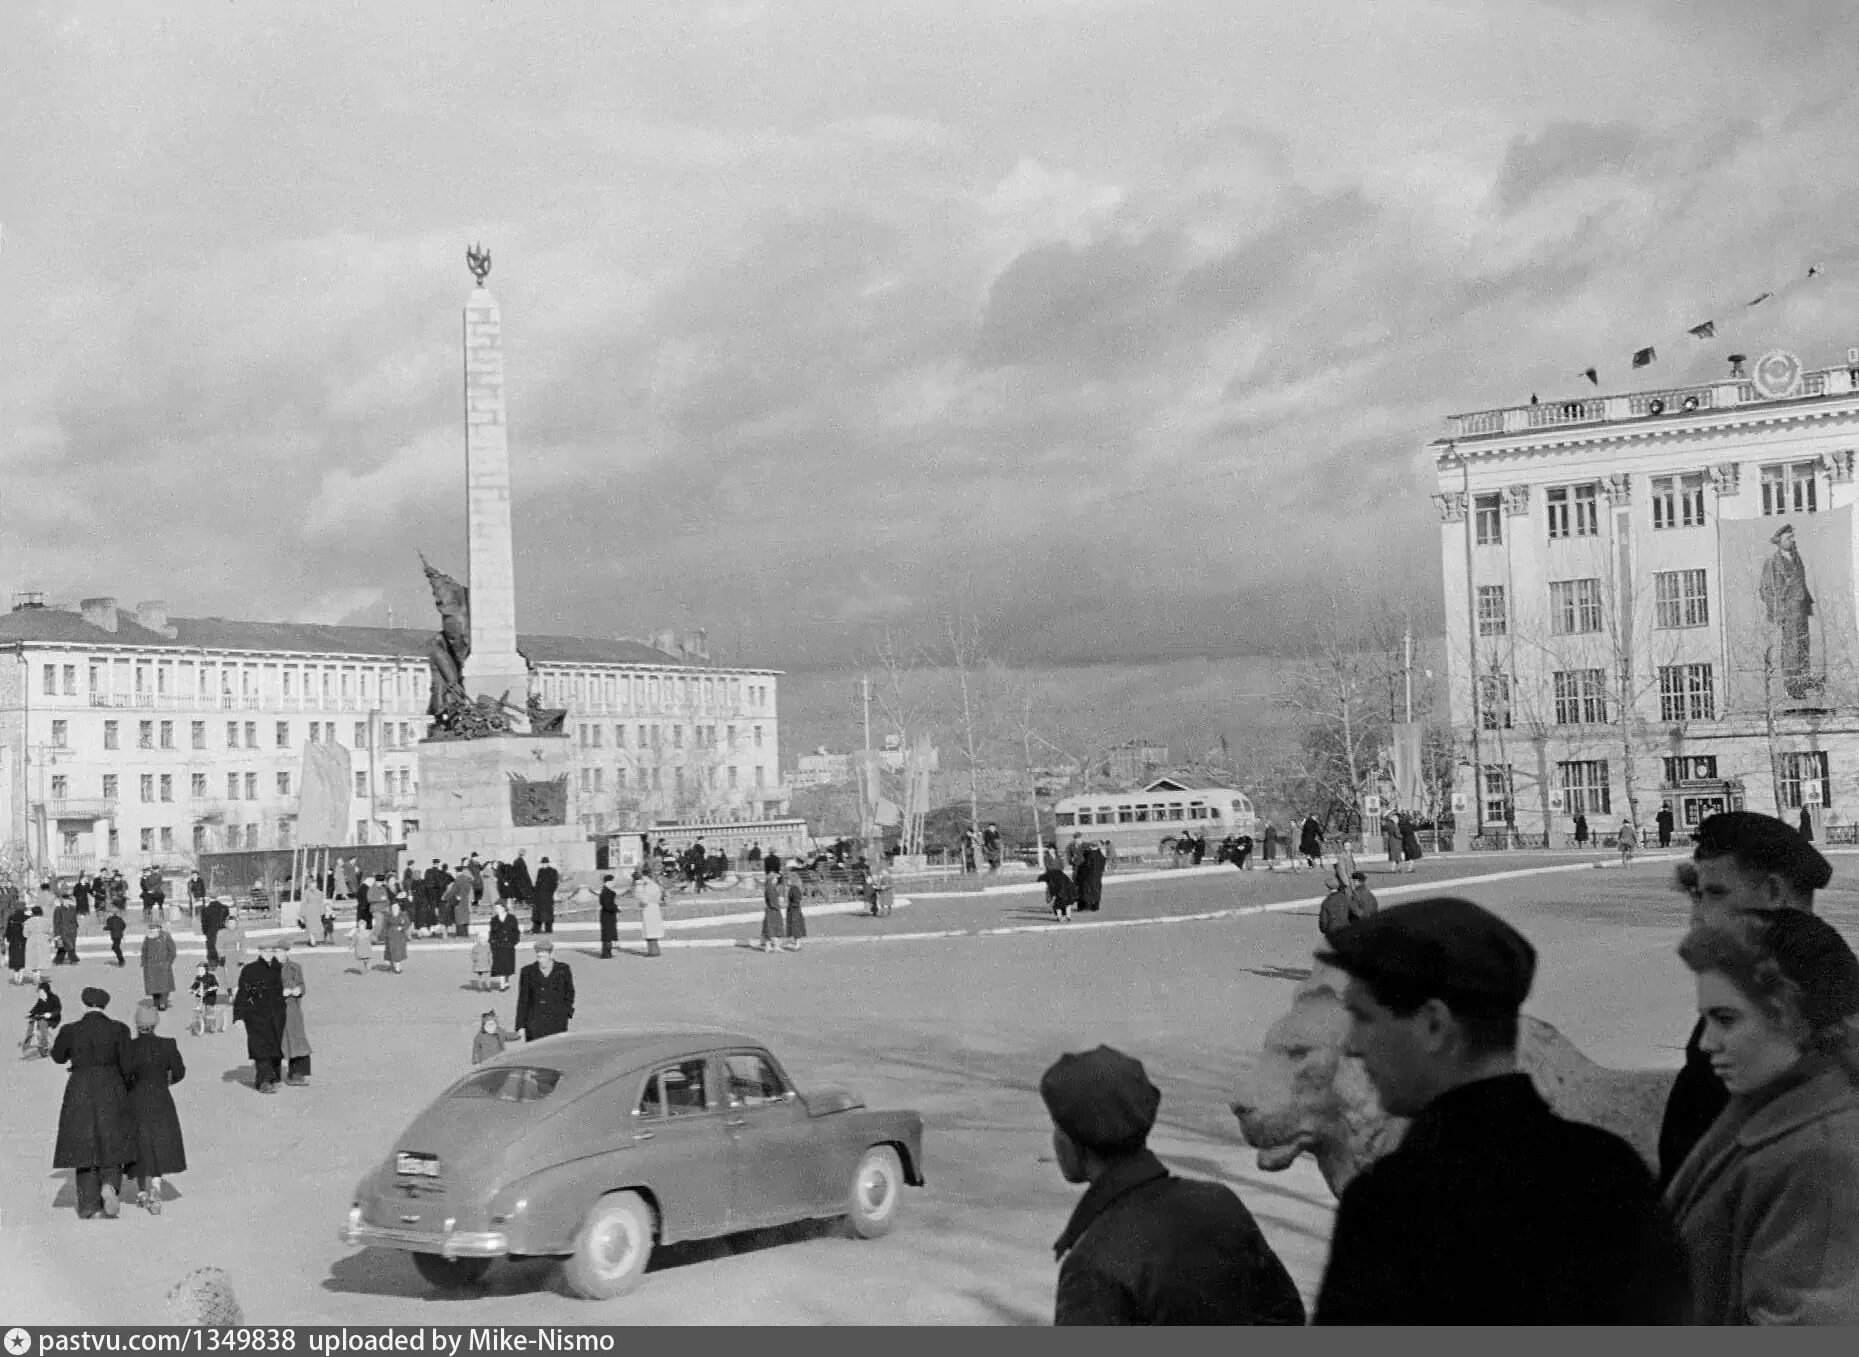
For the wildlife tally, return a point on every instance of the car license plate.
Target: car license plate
(417, 1165)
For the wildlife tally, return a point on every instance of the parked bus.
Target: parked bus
(1143, 823)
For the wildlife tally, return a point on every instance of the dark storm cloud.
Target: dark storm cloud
(1561, 152)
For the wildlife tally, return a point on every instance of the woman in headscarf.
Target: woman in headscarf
(394, 929)
(154, 1066)
(95, 1135)
(1767, 1203)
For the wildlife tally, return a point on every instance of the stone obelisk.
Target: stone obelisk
(493, 668)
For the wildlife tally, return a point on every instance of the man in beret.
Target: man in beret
(1743, 862)
(1143, 1246)
(1492, 1210)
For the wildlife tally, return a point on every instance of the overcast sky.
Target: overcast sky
(1114, 324)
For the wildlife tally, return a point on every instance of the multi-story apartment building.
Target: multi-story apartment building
(1655, 596)
(133, 738)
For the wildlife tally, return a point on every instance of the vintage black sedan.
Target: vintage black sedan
(595, 1147)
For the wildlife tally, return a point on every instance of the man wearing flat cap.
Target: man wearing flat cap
(1744, 862)
(1143, 1246)
(96, 1135)
(1492, 1210)
(544, 994)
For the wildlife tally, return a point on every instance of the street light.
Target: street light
(1452, 455)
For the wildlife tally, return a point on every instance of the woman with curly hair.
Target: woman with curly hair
(1767, 1203)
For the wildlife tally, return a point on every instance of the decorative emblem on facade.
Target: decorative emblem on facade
(478, 260)
(1838, 465)
(1620, 489)
(1451, 506)
(1727, 477)
(1777, 375)
(1516, 500)
(538, 802)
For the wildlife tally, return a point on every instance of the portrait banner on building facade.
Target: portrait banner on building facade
(325, 794)
(1789, 626)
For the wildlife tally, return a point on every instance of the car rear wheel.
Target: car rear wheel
(877, 1190)
(611, 1252)
(450, 1274)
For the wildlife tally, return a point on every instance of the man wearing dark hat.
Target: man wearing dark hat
(95, 1133)
(1743, 862)
(544, 994)
(1492, 1210)
(1143, 1246)
(542, 899)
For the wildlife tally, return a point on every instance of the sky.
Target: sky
(1118, 328)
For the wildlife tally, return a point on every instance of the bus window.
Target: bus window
(1213, 813)
(1125, 814)
(1142, 814)
(1064, 817)
(1174, 810)
(1239, 807)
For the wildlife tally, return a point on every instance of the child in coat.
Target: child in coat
(44, 1015)
(329, 922)
(115, 926)
(490, 1039)
(363, 937)
(481, 958)
(205, 989)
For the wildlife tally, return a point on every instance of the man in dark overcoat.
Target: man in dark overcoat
(431, 897)
(64, 932)
(1492, 1210)
(95, 1135)
(544, 995)
(1744, 861)
(1143, 1246)
(542, 899)
(212, 921)
(609, 917)
(522, 887)
(259, 1004)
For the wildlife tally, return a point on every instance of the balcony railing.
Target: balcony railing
(81, 808)
(1671, 401)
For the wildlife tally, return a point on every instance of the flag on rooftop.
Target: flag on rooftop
(1644, 357)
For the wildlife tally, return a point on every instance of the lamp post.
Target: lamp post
(1471, 637)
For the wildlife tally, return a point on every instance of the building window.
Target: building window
(619, 778)
(167, 734)
(70, 678)
(251, 734)
(1690, 768)
(1584, 783)
(361, 784)
(1799, 770)
(1680, 599)
(200, 838)
(1488, 518)
(200, 734)
(61, 734)
(361, 831)
(61, 786)
(148, 841)
(96, 678)
(283, 734)
(167, 786)
(251, 837)
(283, 784)
(596, 732)
(251, 786)
(1687, 692)
(1574, 606)
(1556, 501)
(232, 786)
(1494, 701)
(116, 842)
(1789, 489)
(1497, 795)
(109, 735)
(51, 680)
(1581, 697)
(232, 735)
(758, 774)
(109, 786)
(316, 732)
(200, 786)
(758, 737)
(361, 734)
(1493, 620)
(145, 735)
(1678, 501)
(732, 775)
(148, 787)
(677, 737)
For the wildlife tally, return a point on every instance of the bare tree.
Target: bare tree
(1335, 683)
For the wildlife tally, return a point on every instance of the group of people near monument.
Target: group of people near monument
(1492, 1209)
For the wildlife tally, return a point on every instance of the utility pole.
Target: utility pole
(1407, 668)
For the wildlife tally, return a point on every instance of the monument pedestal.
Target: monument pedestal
(467, 803)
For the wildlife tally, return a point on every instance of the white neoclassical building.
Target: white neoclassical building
(130, 737)
(1656, 594)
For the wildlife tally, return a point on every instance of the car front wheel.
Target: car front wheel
(611, 1252)
(450, 1274)
(877, 1189)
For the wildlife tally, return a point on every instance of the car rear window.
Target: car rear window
(510, 1084)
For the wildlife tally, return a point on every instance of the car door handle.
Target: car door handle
(739, 1121)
